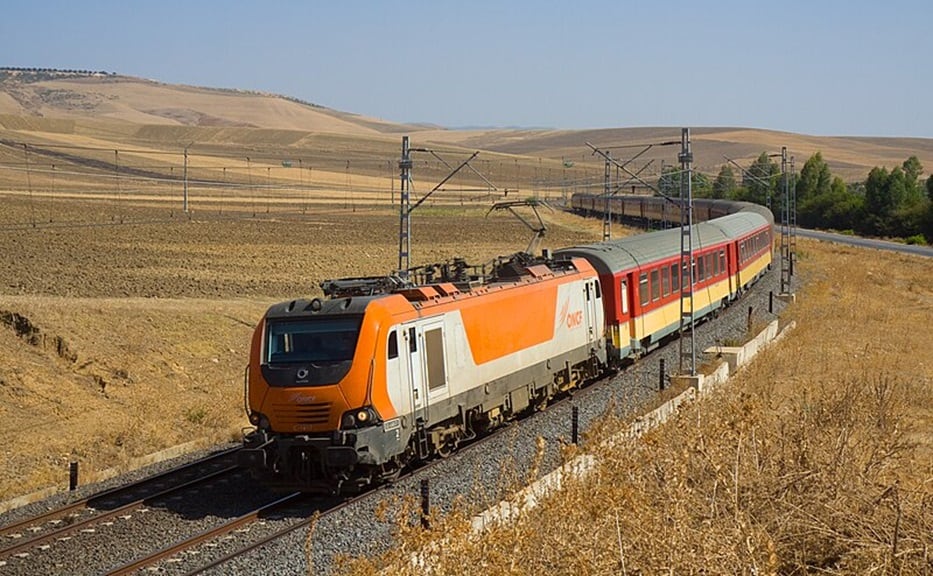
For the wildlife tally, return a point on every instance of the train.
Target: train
(346, 391)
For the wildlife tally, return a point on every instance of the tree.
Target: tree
(886, 198)
(815, 178)
(912, 171)
(725, 183)
(876, 198)
(761, 179)
(702, 187)
(669, 183)
(897, 188)
(928, 228)
(837, 209)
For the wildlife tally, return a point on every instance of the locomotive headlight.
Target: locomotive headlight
(264, 422)
(358, 418)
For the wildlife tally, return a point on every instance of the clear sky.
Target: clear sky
(822, 67)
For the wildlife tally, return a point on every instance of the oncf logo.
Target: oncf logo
(571, 319)
(574, 319)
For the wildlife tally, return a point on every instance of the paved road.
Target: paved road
(866, 242)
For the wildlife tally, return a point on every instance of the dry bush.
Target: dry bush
(814, 459)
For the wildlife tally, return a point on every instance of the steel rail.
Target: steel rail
(83, 503)
(20, 546)
(274, 536)
(193, 541)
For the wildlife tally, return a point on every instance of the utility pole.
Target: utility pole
(404, 221)
(793, 215)
(185, 202)
(688, 353)
(607, 187)
(785, 224)
(406, 207)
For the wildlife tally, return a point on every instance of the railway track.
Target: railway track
(37, 535)
(189, 559)
(151, 486)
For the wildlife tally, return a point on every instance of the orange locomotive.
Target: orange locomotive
(347, 391)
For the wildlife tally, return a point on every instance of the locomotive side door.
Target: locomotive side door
(435, 361)
(593, 299)
(413, 344)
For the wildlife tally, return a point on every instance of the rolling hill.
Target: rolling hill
(127, 110)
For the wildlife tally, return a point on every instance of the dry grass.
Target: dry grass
(137, 376)
(818, 458)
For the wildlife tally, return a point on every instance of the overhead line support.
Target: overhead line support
(687, 319)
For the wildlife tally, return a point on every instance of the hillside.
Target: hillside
(116, 109)
(148, 102)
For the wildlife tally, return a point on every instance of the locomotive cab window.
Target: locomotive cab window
(393, 345)
(321, 349)
(326, 340)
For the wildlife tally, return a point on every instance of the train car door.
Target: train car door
(397, 380)
(413, 341)
(434, 359)
(622, 315)
(593, 299)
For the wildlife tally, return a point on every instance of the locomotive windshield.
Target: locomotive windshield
(322, 347)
